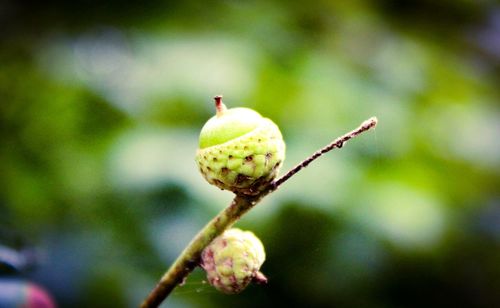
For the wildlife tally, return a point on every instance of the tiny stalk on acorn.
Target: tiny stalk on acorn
(219, 106)
(240, 151)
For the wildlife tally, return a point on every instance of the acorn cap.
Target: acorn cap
(233, 260)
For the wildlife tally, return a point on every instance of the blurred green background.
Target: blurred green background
(100, 108)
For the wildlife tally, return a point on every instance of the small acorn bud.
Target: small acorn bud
(233, 260)
(240, 150)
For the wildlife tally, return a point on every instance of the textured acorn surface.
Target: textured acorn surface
(232, 260)
(243, 164)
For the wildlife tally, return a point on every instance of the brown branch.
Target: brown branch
(189, 258)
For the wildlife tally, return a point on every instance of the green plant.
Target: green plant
(217, 132)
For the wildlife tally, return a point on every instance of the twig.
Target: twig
(189, 258)
(337, 143)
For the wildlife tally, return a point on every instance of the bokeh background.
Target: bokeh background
(101, 103)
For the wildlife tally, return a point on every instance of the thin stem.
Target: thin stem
(190, 257)
(219, 105)
(337, 143)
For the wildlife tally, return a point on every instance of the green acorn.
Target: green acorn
(240, 150)
(233, 260)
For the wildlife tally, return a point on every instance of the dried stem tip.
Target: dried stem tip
(371, 122)
(219, 105)
(260, 278)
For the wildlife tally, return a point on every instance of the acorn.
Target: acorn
(239, 150)
(232, 261)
